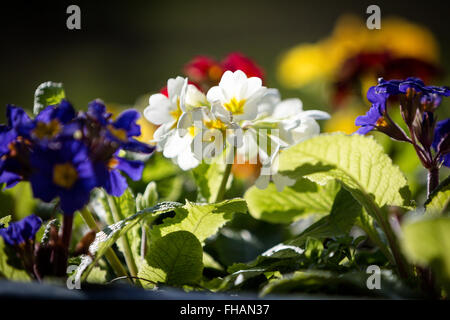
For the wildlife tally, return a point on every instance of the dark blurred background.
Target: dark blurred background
(129, 48)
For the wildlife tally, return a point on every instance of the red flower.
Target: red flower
(237, 61)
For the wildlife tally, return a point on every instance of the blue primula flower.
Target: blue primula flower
(109, 174)
(21, 231)
(14, 146)
(49, 123)
(66, 172)
(373, 117)
(441, 141)
(122, 130)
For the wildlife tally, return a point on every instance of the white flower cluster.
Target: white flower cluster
(239, 115)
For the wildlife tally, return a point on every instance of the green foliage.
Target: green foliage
(427, 243)
(302, 199)
(208, 178)
(7, 270)
(47, 94)
(17, 201)
(4, 222)
(174, 259)
(358, 162)
(439, 200)
(109, 235)
(203, 220)
(342, 218)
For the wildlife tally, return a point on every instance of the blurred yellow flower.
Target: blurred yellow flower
(343, 121)
(309, 62)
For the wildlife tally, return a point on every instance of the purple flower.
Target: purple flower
(441, 141)
(370, 120)
(66, 172)
(21, 231)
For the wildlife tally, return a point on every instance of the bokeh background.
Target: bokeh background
(319, 51)
(129, 48)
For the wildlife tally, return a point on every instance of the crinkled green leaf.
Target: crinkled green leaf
(343, 216)
(4, 222)
(427, 243)
(106, 238)
(7, 271)
(175, 259)
(300, 200)
(203, 220)
(358, 162)
(47, 94)
(439, 200)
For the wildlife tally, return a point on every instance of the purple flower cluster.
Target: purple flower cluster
(65, 154)
(418, 103)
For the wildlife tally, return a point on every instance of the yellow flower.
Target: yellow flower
(343, 121)
(309, 62)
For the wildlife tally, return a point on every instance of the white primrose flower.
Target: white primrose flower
(237, 97)
(212, 133)
(294, 126)
(168, 111)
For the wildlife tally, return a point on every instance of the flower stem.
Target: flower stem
(110, 255)
(433, 179)
(129, 259)
(223, 184)
(67, 231)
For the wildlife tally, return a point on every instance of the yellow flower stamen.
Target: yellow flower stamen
(47, 130)
(381, 122)
(176, 114)
(64, 175)
(235, 106)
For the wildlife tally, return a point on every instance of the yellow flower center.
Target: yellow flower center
(235, 106)
(192, 131)
(215, 124)
(64, 175)
(381, 122)
(112, 163)
(176, 114)
(120, 134)
(47, 130)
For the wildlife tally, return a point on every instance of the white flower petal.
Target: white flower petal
(158, 110)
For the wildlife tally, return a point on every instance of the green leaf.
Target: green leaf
(359, 162)
(97, 276)
(342, 218)
(18, 201)
(427, 243)
(203, 220)
(109, 235)
(148, 198)
(7, 270)
(175, 259)
(439, 200)
(47, 94)
(4, 222)
(299, 201)
(208, 178)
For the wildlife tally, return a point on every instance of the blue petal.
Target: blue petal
(17, 117)
(136, 146)
(132, 168)
(63, 111)
(97, 110)
(127, 121)
(116, 183)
